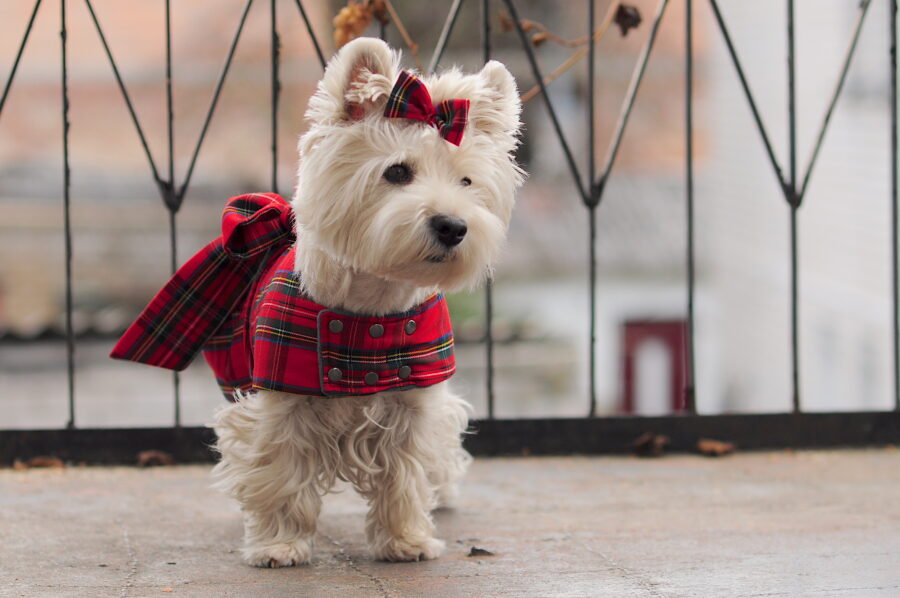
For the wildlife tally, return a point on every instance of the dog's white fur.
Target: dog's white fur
(364, 245)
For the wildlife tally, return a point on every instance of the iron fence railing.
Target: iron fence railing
(497, 436)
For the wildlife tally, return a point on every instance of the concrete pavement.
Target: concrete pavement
(791, 525)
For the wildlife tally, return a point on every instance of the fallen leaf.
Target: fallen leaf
(154, 458)
(714, 448)
(650, 445)
(43, 461)
(476, 551)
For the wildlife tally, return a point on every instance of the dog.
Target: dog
(405, 190)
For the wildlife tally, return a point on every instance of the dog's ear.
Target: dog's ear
(357, 81)
(497, 110)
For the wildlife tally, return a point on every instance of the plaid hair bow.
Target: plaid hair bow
(410, 99)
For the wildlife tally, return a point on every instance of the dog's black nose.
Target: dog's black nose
(449, 230)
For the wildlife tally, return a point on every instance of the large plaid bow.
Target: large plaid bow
(202, 294)
(410, 99)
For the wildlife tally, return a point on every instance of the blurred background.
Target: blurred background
(121, 245)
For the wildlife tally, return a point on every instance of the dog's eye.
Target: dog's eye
(398, 174)
(466, 181)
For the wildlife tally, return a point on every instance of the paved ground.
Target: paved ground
(791, 525)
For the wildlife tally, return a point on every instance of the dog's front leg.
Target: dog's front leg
(392, 457)
(268, 466)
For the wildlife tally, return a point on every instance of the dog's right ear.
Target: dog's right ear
(357, 81)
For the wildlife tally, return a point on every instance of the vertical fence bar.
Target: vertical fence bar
(792, 167)
(489, 286)
(690, 390)
(592, 309)
(276, 89)
(67, 220)
(592, 216)
(895, 284)
(170, 137)
(171, 203)
(486, 29)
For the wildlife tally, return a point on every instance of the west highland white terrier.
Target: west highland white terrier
(324, 320)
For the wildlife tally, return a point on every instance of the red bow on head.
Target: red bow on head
(410, 99)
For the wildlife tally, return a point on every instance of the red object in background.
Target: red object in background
(673, 335)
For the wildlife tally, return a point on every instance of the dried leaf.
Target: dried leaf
(650, 445)
(351, 22)
(378, 10)
(507, 23)
(627, 18)
(43, 461)
(714, 448)
(476, 551)
(154, 458)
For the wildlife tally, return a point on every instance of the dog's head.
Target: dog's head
(392, 197)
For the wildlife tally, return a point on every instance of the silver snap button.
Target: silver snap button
(410, 327)
(336, 326)
(335, 374)
(376, 331)
(404, 372)
(371, 378)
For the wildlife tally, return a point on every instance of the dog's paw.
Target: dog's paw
(278, 555)
(396, 549)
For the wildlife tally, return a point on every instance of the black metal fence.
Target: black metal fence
(494, 436)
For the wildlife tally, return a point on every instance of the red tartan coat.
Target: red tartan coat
(239, 301)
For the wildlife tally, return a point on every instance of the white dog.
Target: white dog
(396, 201)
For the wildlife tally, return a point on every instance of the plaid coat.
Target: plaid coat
(239, 302)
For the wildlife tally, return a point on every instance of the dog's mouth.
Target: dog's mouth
(441, 256)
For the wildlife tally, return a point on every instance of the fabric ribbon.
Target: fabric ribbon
(410, 99)
(201, 295)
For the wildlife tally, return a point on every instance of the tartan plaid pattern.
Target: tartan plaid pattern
(427, 351)
(239, 301)
(410, 99)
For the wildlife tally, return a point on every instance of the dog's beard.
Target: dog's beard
(413, 255)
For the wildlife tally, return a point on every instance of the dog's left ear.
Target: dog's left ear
(357, 82)
(497, 110)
